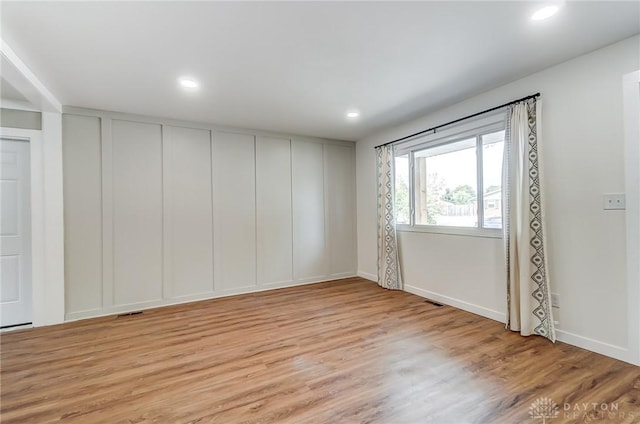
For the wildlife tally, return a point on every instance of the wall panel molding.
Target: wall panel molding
(274, 213)
(107, 212)
(191, 211)
(82, 183)
(137, 211)
(167, 213)
(309, 211)
(234, 211)
(188, 209)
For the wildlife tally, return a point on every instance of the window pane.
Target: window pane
(402, 189)
(492, 148)
(445, 180)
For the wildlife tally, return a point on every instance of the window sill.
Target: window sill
(455, 231)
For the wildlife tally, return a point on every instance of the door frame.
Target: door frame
(631, 98)
(47, 250)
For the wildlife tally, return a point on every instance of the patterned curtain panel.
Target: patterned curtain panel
(388, 262)
(528, 292)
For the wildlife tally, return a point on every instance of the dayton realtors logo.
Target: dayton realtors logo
(546, 409)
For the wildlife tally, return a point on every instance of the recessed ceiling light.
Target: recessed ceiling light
(188, 83)
(353, 114)
(544, 13)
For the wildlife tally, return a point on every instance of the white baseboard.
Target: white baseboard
(460, 304)
(119, 309)
(341, 275)
(592, 345)
(596, 346)
(368, 276)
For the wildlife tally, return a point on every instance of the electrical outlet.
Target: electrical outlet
(614, 201)
(555, 300)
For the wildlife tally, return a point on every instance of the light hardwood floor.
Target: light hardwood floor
(338, 352)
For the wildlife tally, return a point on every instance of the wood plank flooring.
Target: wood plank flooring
(338, 352)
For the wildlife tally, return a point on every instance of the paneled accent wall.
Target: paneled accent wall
(274, 210)
(188, 207)
(137, 212)
(309, 211)
(82, 192)
(234, 211)
(160, 212)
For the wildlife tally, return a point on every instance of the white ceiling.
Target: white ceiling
(297, 67)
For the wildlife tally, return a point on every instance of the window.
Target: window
(452, 183)
(492, 149)
(403, 201)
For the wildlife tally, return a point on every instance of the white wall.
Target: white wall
(49, 298)
(582, 132)
(160, 212)
(631, 88)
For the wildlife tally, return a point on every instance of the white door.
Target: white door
(15, 233)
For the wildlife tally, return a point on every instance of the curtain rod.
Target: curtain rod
(434, 129)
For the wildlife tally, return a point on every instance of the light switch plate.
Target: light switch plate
(614, 201)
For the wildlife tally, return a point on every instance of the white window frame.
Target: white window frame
(473, 128)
